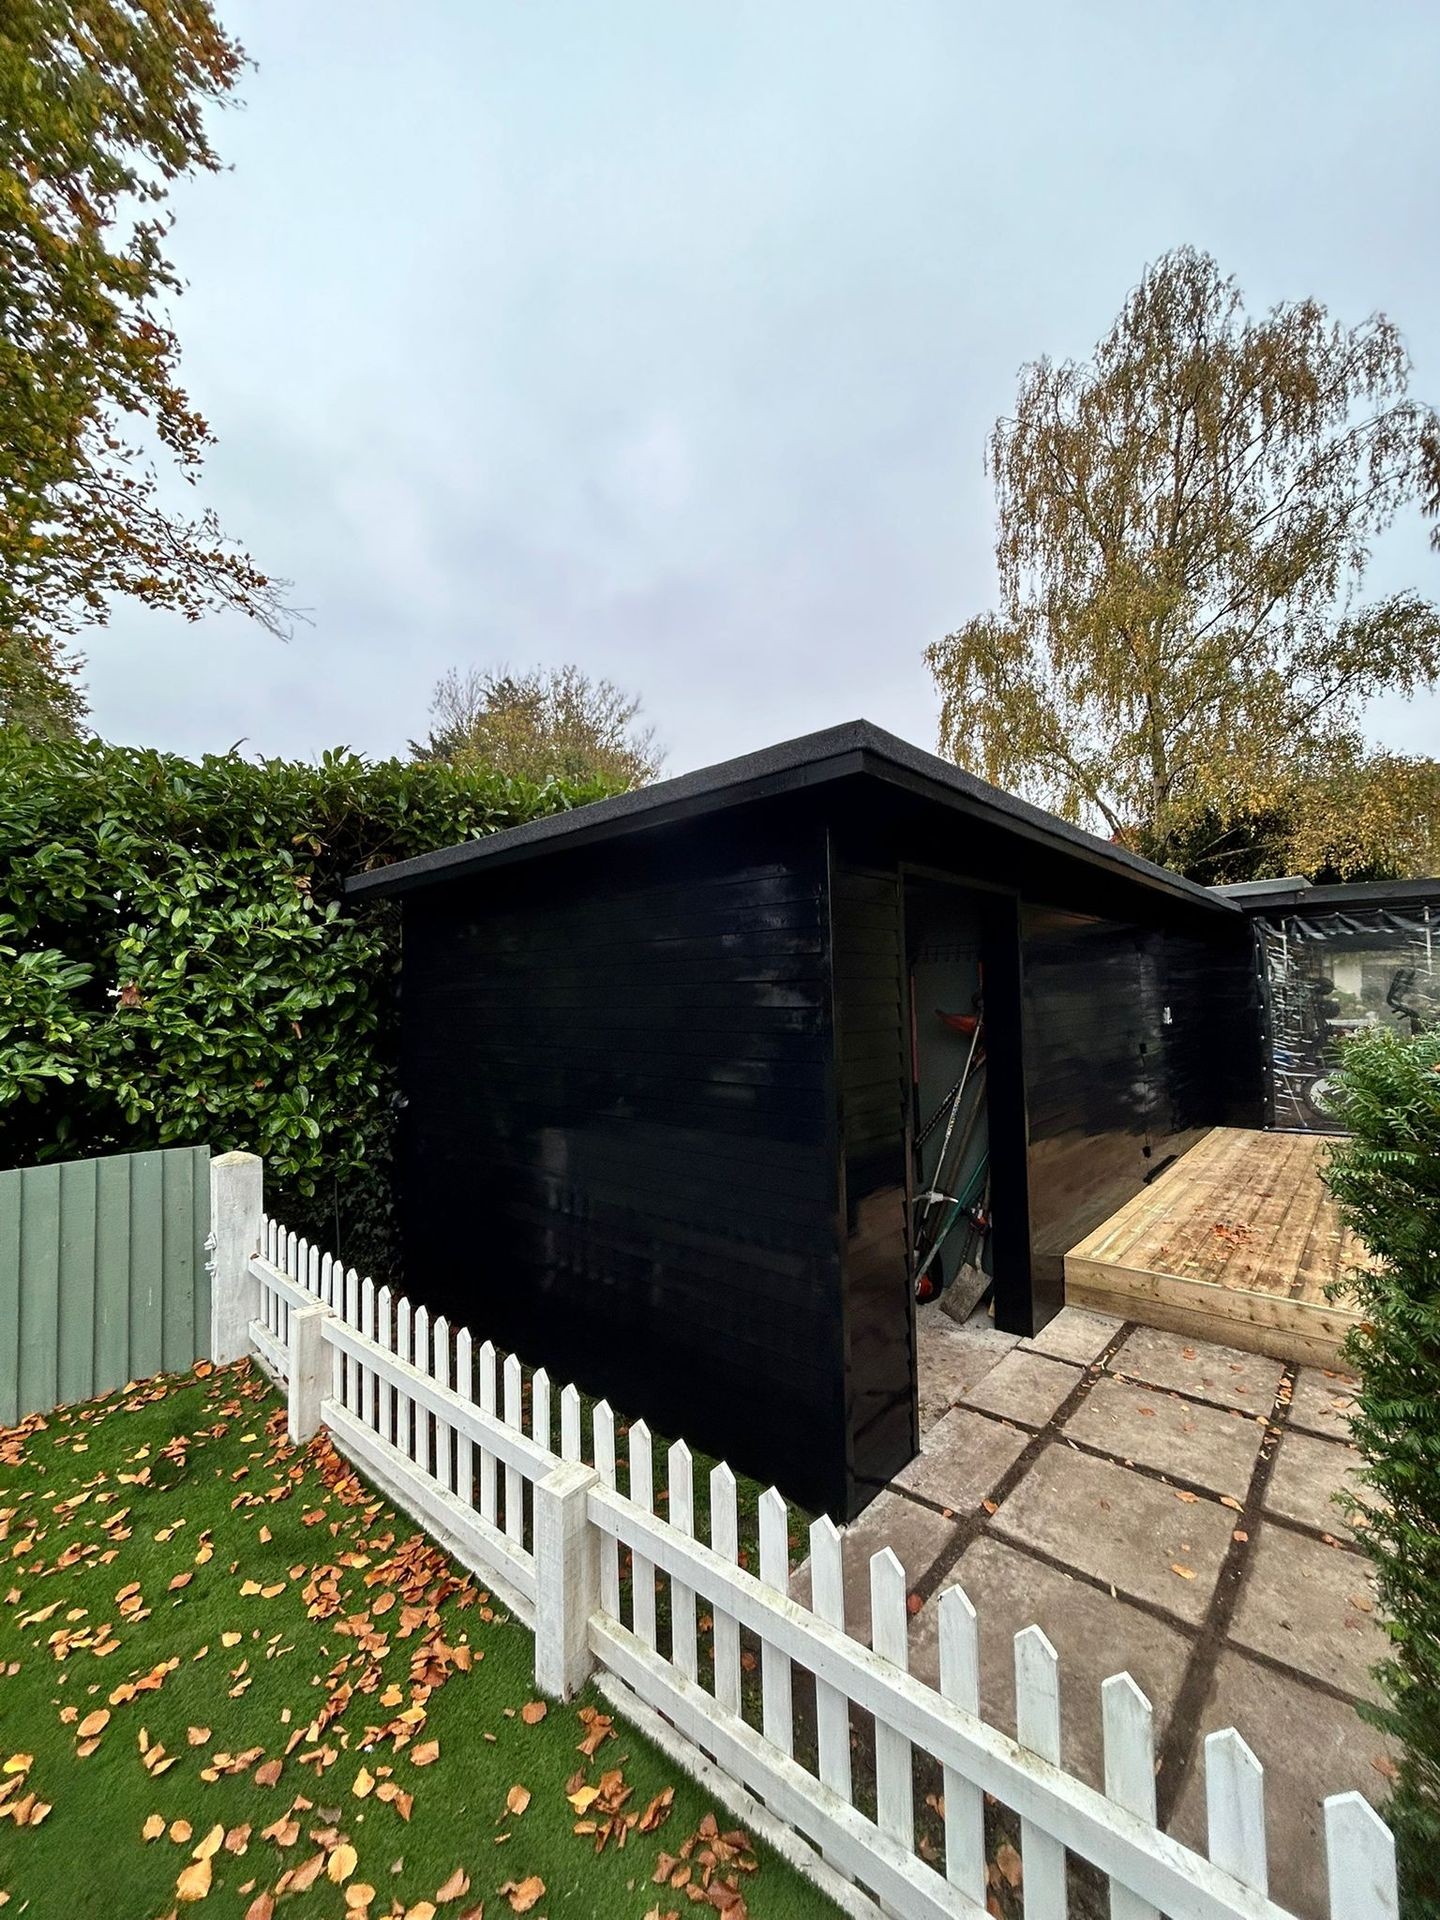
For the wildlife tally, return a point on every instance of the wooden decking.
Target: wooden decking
(1237, 1243)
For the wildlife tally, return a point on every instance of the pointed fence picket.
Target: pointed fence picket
(642, 1495)
(725, 1543)
(414, 1403)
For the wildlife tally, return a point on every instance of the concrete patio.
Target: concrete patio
(1159, 1506)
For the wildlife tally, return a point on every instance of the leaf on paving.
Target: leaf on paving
(522, 1894)
(1185, 1573)
(343, 1862)
(457, 1886)
(194, 1881)
(532, 1713)
(427, 1752)
(517, 1799)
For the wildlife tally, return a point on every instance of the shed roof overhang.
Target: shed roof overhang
(855, 750)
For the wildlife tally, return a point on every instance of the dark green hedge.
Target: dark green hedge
(1387, 1181)
(177, 963)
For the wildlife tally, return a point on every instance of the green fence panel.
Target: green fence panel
(103, 1274)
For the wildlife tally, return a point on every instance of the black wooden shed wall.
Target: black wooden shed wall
(619, 1144)
(658, 1092)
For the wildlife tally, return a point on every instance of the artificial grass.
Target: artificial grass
(186, 1487)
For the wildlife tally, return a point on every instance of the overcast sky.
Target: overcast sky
(664, 336)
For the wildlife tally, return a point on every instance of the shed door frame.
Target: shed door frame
(1015, 1306)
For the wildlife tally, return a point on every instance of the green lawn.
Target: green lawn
(243, 1650)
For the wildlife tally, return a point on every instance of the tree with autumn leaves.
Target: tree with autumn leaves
(1182, 655)
(102, 110)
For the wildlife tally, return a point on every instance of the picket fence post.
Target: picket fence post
(308, 1373)
(567, 1578)
(237, 1202)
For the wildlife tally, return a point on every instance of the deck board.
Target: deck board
(1238, 1242)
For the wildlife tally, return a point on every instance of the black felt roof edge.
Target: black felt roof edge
(857, 747)
(1342, 893)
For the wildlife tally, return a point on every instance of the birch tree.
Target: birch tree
(1184, 525)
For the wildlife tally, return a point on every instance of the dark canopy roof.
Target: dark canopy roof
(836, 753)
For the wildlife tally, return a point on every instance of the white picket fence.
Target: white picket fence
(438, 1424)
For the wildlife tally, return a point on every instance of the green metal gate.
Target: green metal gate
(102, 1274)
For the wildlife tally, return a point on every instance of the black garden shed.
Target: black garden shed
(666, 1060)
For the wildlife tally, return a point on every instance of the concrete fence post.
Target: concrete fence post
(237, 1201)
(567, 1579)
(308, 1372)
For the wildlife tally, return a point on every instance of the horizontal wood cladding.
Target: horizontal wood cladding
(618, 1140)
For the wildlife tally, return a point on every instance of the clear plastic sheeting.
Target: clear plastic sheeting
(1330, 974)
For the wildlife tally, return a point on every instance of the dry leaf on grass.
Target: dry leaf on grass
(343, 1862)
(427, 1752)
(517, 1799)
(262, 1907)
(456, 1887)
(532, 1713)
(194, 1881)
(154, 1826)
(522, 1894)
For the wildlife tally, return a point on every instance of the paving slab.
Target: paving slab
(1307, 1477)
(1321, 1402)
(1076, 1333)
(1094, 1636)
(952, 1360)
(1222, 1375)
(1121, 1528)
(1026, 1387)
(1312, 1607)
(961, 1458)
(1214, 1447)
(918, 1536)
(1310, 1745)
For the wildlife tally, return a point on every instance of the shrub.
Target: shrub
(178, 964)
(1387, 1181)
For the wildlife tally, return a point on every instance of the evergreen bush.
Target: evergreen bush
(178, 963)
(1386, 1178)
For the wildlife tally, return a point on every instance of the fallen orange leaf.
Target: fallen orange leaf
(194, 1882)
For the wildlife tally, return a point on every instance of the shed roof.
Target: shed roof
(836, 753)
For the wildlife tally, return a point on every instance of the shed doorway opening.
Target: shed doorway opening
(949, 1239)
